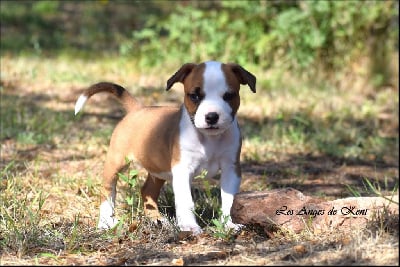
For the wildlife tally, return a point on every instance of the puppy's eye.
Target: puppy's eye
(229, 96)
(195, 97)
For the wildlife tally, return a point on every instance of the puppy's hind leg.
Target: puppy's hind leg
(150, 192)
(107, 219)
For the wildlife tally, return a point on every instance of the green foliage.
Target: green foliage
(376, 189)
(207, 199)
(304, 37)
(294, 35)
(220, 229)
(20, 218)
(45, 7)
(48, 27)
(25, 122)
(133, 198)
(205, 183)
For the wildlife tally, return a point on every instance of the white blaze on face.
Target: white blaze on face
(214, 88)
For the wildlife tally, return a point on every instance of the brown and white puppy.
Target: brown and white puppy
(178, 143)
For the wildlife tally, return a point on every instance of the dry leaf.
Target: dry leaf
(178, 262)
(300, 249)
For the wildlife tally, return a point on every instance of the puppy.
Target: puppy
(177, 144)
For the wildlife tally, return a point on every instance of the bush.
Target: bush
(296, 37)
(293, 35)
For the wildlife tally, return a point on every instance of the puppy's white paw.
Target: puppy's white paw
(187, 222)
(107, 219)
(195, 229)
(107, 223)
(226, 220)
(233, 226)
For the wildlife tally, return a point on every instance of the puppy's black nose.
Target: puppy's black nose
(212, 118)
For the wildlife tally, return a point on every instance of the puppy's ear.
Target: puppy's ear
(244, 76)
(180, 75)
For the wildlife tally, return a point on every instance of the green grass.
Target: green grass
(321, 122)
(331, 138)
(29, 123)
(51, 161)
(21, 219)
(293, 120)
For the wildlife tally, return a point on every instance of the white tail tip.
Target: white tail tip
(80, 103)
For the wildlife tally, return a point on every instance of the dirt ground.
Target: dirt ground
(321, 176)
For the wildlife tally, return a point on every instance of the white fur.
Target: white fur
(211, 153)
(107, 219)
(214, 87)
(200, 149)
(80, 103)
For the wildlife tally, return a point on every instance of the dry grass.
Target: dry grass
(302, 137)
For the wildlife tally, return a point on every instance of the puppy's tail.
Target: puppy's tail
(127, 100)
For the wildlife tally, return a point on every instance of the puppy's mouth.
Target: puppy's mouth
(212, 127)
(212, 130)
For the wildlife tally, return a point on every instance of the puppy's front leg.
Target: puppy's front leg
(230, 184)
(184, 204)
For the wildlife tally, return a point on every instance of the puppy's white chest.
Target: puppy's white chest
(207, 154)
(198, 160)
(207, 159)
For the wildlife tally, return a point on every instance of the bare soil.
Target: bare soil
(49, 166)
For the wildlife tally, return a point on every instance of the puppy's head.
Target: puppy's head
(212, 93)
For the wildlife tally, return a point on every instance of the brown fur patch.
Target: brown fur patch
(242, 76)
(141, 133)
(233, 85)
(193, 81)
(150, 192)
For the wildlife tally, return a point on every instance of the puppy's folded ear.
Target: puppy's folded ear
(244, 76)
(180, 75)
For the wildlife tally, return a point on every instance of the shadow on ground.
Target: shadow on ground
(323, 175)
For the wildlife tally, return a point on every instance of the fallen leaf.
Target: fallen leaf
(178, 262)
(300, 249)
(184, 235)
(133, 227)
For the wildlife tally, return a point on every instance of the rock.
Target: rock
(292, 210)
